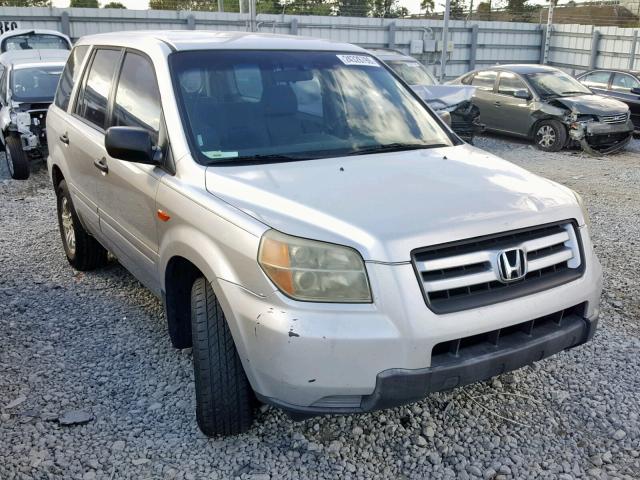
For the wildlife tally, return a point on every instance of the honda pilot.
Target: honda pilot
(318, 236)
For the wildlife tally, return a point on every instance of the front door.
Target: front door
(622, 87)
(127, 191)
(514, 113)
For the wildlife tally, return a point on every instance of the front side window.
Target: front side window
(484, 80)
(556, 84)
(93, 100)
(69, 76)
(509, 83)
(624, 83)
(137, 101)
(35, 41)
(412, 72)
(34, 84)
(300, 105)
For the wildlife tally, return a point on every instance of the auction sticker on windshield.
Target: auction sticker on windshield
(358, 60)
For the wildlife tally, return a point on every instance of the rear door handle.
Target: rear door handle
(497, 104)
(101, 165)
(64, 139)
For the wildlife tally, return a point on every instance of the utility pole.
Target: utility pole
(547, 37)
(445, 35)
(252, 15)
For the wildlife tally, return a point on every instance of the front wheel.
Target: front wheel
(550, 136)
(17, 160)
(224, 398)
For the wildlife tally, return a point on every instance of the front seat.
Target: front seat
(281, 114)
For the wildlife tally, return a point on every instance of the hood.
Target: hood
(592, 104)
(440, 97)
(385, 205)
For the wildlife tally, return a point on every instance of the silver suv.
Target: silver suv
(317, 234)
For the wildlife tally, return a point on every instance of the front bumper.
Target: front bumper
(311, 358)
(599, 137)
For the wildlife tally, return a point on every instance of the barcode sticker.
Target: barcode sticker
(363, 60)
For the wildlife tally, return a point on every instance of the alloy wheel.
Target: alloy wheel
(67, 226)
(546, 136)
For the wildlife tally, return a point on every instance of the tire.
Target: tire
(17, 160)
(224, 398)
(550, 136)
(83, 252)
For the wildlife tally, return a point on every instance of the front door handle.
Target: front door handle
(101, 165)
(64, 139)
(497, 103)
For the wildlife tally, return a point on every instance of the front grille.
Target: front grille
(463, 275)
(451, 351)
(615, 118)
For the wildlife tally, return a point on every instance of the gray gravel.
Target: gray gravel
(90, 387)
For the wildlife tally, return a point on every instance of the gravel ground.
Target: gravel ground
(93, 348)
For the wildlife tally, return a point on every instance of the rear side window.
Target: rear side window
(69, 76)
(94, 98)
(596, 79)
(484, 80)
(137, 102)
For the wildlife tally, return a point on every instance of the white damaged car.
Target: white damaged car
(28, 81)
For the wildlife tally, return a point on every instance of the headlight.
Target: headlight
(585, 213)
(314, 271)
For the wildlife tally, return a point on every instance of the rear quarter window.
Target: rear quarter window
(69, 76)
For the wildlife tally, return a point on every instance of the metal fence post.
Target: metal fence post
(293, 27)
(65, 24)
(221, 5)
(595, 42)
(632, 57)
(191, 22)
(392, 35)
(543, 43)
(474, 47)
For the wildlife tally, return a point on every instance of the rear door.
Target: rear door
(127, 191)
(621, 86)
(485, 98)
(598, 81)
(60, 124)
(513, 114)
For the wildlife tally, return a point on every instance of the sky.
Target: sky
(412, 5)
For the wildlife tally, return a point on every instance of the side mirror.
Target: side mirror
(523, 94)
(132, 144)
(635, 91)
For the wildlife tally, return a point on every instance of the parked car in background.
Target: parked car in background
(623, 85)
(318, 236)
(28, 81)
(548, 106)
(448, 100)
(21, 39)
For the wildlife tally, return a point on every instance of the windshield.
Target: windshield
(556, 84)
(35, 41)
(34, 84)
(289, 105)
(412, 72)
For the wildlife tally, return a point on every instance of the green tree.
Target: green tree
(84, 4)
(519, 9)
(353, 8)
(484, 11)
(25, 3)
(388, 9)
(427, 6)
(199, 5)
(114, 5)
(456, 11)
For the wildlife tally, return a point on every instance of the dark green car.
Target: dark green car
(549, 107)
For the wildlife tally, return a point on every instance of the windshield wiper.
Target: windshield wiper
(575, 91)
(270, 158)
(394, 147)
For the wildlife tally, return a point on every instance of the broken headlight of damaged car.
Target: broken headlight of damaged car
(314, 271)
